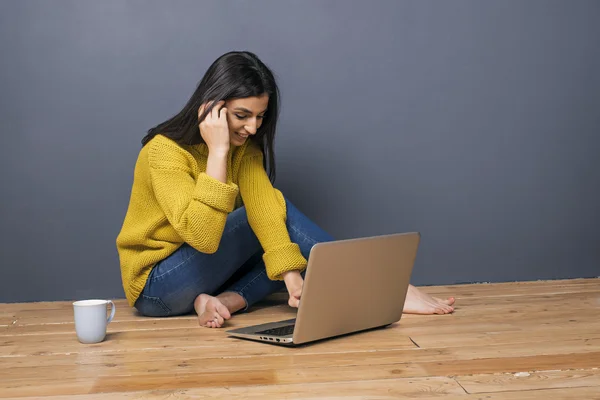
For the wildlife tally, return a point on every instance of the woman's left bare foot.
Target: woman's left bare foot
(418, 302)
(212, 313)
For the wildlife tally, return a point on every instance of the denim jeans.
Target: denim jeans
(237, 266)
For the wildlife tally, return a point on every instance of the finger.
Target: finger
(201, 110)
(294, 302)
(223, 113)
(205, 108)
(219, 320)
(215, 110)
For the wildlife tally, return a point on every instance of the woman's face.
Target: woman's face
(244, 117)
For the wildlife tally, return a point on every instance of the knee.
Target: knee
(289, 209)
(150, 306)
(283, 201)
(168, 306)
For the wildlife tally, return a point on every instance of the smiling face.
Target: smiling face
(244, 117)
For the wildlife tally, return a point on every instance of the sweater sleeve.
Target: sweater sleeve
(196, 208)
(266, 210)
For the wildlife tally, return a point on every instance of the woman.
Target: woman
(204, 219)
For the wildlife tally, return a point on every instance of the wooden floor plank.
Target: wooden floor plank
(365, 393)
(586, 393)
(531, 381)
(264, 387)
(124, 313)
(532, 335)
(525, 288)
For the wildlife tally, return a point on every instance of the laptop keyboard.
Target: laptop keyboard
(282, 331)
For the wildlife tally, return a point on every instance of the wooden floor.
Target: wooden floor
(518, 341)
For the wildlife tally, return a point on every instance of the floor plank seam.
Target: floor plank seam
(542, 371)
(120, 351)
(415, 343)
(461, 386)
(334, 381)
(505, 296)
(70, 333)
(317, 353)
(535, 390)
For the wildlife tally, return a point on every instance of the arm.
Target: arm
(215, 132)
(196, 208)
(266, 211)
(216, 165)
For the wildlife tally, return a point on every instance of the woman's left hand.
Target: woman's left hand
(294, 283)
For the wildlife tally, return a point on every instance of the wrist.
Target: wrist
(292, 278)
(220, 152)
(290, 274)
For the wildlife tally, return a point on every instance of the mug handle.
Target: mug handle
(112, 312)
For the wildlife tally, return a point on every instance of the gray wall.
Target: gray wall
(475, 123)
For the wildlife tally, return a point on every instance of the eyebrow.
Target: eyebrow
(246, 110)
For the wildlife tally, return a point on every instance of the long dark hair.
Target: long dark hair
(233, 75)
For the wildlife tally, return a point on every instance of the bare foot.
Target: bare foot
(211, 312)
(418, 302)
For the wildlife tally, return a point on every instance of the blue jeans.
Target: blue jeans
(237, 266)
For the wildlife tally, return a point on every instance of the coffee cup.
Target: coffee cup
(91, 321)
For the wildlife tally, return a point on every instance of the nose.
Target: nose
(250, 127)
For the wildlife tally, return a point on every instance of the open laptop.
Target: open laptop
(350, 285)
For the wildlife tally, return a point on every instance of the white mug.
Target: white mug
(91, 321)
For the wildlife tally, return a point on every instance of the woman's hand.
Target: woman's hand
(294, 283)
(214, 129)
(215, 132)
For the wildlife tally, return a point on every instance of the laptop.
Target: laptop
(350, 286)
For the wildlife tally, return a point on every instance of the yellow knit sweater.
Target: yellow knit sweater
(174, 201)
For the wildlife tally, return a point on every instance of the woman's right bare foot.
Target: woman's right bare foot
(211, 312)
(418, 302)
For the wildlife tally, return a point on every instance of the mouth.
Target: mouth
(242, 136)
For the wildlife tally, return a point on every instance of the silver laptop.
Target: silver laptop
(350, 286)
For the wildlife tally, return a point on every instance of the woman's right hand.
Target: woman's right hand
(214, 129)
(294, 284)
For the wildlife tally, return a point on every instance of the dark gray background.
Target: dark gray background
(475, 123)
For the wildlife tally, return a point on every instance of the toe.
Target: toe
(447, 302)
(223, 311)
(447, 308)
